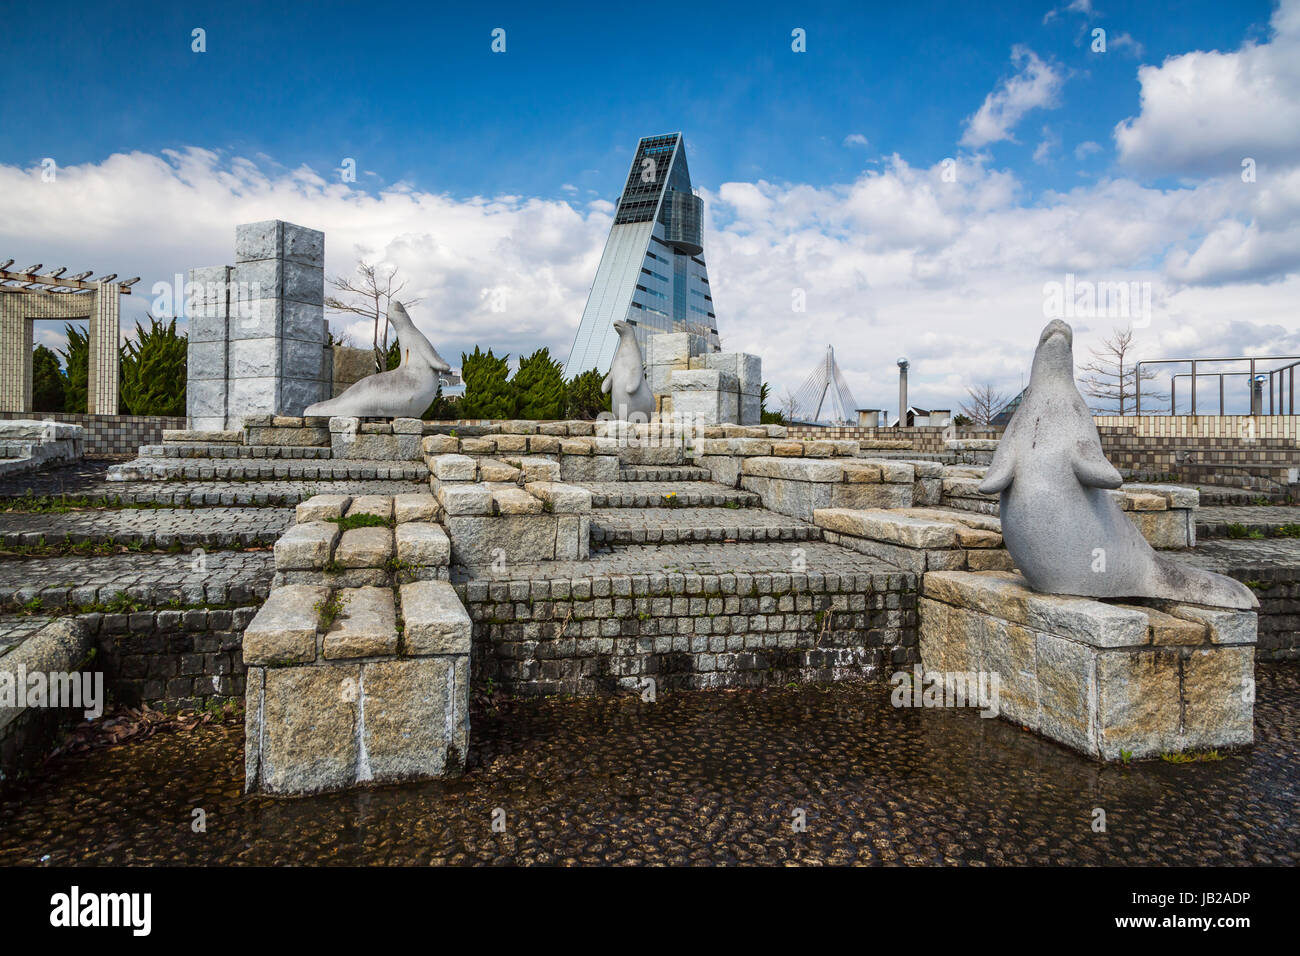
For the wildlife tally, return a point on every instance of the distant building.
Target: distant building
(652, 273)
(1003, 418)
(919, 417)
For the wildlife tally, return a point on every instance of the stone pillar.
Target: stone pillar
(277, 331)
(208, 307)
(258, 333)
(15, 354)
(105, 371)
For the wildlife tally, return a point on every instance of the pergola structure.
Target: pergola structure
(27, 295)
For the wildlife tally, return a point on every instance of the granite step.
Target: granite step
(667, 494)
(677, 473)
(624, 526)
(227, 450)
(1248, 521)
(253, 469)
(1226, 496)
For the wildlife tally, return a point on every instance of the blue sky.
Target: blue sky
(483, 170)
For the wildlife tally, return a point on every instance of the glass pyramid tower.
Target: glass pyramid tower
(652, 273)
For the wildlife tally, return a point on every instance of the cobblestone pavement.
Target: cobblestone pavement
(63, 479)
(1213, 522)
(673, 525)
(1228, 554)
(651, 494)
(816, 557)
(264, 469)
(219, 577)
(16, 628)
(1225, 495)
(696, 778)
(152, 527)
(223, 493)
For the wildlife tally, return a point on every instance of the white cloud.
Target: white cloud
(898, 261)
(1086, 149)
(855, 139)
(1049, 144)
(1203, 112)
(1035, 85)
(1122, 41)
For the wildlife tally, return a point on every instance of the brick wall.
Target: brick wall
(593, 643)
(172, 657)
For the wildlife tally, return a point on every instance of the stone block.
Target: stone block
(513, 500)
(493, 471)
(435, 620)
(585, 468)
(440, 445)
(306, 547)
(512, 443)
(305, 724)
(870, 496)
(379, 506)
(536, 469)
(417, 722)
(366, 625)
(887, 526)
(422, 544)
(464, 499)
(284, 628)
(364, 548)
(1111, 681)
(480, 539)
(322, 508)
(794, 469)
(414, 507)
(560, 498)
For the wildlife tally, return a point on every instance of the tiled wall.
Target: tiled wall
(110, 434)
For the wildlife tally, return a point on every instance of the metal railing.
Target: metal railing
(1277, 378)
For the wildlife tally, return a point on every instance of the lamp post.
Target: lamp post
(902, 392)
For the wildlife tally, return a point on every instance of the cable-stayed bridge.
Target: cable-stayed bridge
(824, 397)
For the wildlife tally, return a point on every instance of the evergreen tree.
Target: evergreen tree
(440, 409)
(47, 381)
(766, 417)
(583, 396)
(487, 392)
(76, 370)
(153, 370)
(539, 387)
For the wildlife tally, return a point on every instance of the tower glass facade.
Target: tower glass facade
(652, 273)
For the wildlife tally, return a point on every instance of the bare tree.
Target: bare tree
(984, 405)
(370, 293)
(789, 405)
(1111, 377)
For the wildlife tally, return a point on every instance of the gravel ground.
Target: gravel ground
(697, 778)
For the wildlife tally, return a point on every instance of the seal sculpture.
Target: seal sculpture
(402, 392)
(629, 393)
(1066, 534)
